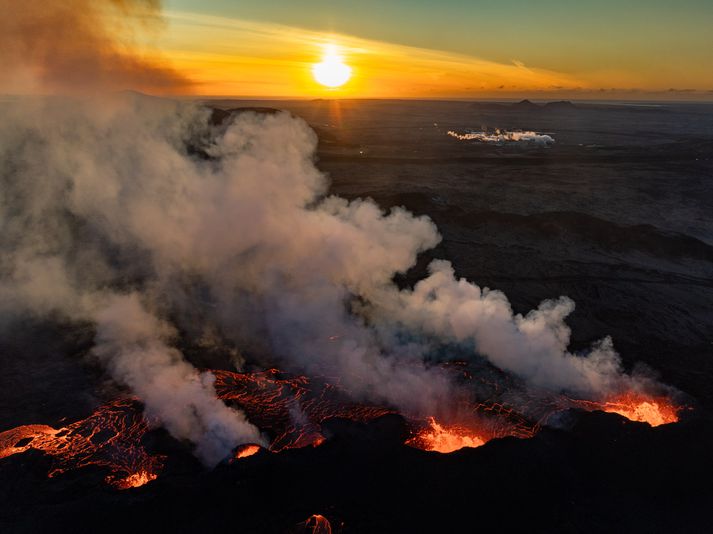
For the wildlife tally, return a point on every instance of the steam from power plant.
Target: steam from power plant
(504, 136)
(139, 216)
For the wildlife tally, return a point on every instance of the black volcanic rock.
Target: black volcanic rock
(388, 431)
(604, 474)
(560, 226)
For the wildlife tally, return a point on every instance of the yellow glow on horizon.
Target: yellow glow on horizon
(234, 57)
(331, 71)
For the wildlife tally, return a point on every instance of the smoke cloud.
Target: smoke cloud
(139, 216)
(131, 343)
(79, 46)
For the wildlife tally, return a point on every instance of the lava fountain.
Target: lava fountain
(441, 438)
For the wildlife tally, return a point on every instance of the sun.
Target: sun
(332, 71)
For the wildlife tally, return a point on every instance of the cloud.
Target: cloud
(133, 344)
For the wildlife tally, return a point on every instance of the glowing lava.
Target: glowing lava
(135, 480)
(652, 410)
(444, 439)
(246, 450)
(636, 407)
(291, 410)
(109, 438)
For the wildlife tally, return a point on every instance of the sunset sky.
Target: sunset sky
(653, 49)
(453, 48)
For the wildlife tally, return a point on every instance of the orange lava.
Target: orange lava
(444, 439)
(109, 438)
(291, 408)
(21, 438)
(291, 411)
(652, 410)
(247, 450)
(134, 481)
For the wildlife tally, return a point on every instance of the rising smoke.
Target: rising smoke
(135, 214)
(140, 217)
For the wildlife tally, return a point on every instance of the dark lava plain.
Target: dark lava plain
(616, 215)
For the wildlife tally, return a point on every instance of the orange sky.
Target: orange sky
(233, 57)
(133, 45)
(230, 56)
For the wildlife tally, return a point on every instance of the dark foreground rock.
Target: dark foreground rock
(601, 473)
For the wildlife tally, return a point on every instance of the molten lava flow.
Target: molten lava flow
(652, 410)
(21, 438)
(135, 480)
(290, 408)
(445, 439)
(109, 438)
(246, 450)
(637, 407)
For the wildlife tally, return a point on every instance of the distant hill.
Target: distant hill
(526, 105)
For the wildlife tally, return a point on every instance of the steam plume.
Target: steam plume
(504, 136)
(140, 217)
(109, 216)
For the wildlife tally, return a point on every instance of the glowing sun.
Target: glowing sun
(332, 71)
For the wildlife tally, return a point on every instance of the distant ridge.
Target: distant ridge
(526, 105)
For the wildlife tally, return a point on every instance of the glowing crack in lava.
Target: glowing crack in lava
(318, 524)
(109, 438)
(290, 410)
(441, 438)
